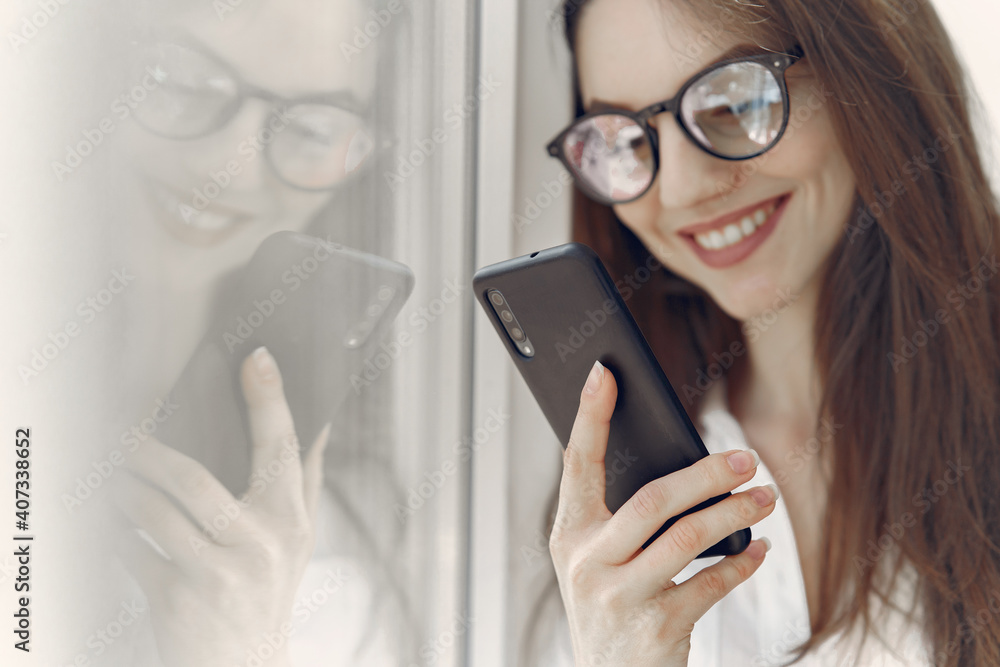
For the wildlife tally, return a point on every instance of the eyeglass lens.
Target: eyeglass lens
(735, 111)
(314, 145)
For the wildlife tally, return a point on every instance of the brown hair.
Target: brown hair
(907, 322)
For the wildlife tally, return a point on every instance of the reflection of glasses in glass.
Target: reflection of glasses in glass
(311, 143)
(735, 110)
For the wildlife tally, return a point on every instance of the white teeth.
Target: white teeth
(733, 233)
(192, 217)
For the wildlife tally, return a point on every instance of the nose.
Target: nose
(687, 175)
(239, 149)
(246, 140)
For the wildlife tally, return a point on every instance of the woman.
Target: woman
(253, 122)
(831, 262)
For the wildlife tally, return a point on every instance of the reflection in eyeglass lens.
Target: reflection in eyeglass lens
(611, 154)
(321, 146)
(735, 110)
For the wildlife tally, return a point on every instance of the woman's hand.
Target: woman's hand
(622, 606)
(225, 593)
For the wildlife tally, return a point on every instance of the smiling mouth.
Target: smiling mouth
(733, 237)
(192, 224)
(734, 232)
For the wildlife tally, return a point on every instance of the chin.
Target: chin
(761, 298)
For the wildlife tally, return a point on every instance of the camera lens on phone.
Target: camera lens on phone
(517, 334)
(506, 316)
(496, 298)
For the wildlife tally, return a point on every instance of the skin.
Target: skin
(774, 389)
(622, 605)
(216, 597)
(288, 48)
(213, 597)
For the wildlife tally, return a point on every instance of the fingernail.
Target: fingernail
(595, 379)
(758, 548)
(264, 362)
(764, 495)
(743, 460)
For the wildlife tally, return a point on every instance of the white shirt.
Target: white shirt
(762, 619)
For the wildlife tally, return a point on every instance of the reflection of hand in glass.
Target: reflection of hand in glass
(223, 592)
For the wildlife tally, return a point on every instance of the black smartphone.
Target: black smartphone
(557, 311)
(321, 309)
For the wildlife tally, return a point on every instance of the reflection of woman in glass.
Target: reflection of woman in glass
(255, 122)
(815, 192)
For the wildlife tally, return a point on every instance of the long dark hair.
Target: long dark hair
(907, 323)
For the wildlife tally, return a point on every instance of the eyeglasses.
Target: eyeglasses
(311, 143)
(734, 110)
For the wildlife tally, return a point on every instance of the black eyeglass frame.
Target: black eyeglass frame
(245, 91)
(776, 63)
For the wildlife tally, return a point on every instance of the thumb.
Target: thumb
(312, 472)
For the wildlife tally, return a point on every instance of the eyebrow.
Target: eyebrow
(739, 51)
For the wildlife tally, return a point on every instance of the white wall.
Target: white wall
(973, 27)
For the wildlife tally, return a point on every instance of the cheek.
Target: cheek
(640, 218)
(808, 152)
(173, 161)
(810, 148)
(811, 155)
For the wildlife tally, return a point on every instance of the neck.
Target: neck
(779, 379)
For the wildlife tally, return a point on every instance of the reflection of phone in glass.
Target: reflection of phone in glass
(321, 310)
(557, 312)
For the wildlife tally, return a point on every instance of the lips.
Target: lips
(196, 226)
(731, 238)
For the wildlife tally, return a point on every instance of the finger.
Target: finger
(150, 509)
(697, 595)
(581, 490)
(275, 456)
(185, 480)
(672, 551)
(312, 472)
(650, 507)
(152, 572)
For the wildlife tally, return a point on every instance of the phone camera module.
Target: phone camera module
(509, 322)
